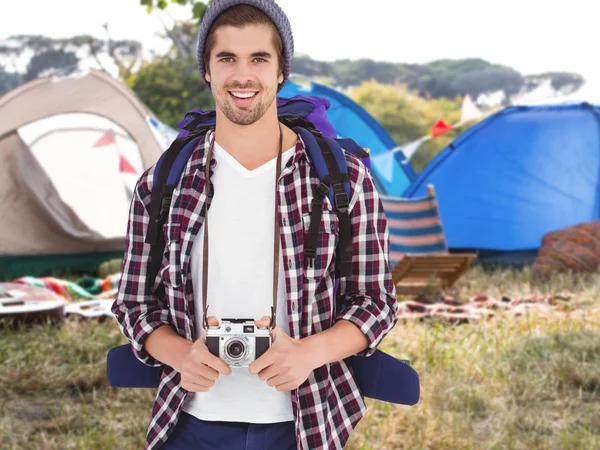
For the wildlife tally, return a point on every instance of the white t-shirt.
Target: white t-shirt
(240, 273)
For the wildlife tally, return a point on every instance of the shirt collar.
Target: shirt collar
(201, 152)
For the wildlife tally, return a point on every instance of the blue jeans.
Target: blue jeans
(191, 433)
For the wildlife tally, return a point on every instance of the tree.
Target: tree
(50, 56)
(8, 81)
(170, 88)
(490, 79)
(407, 116)
(199, 7)
(562, 82)
(51, 63)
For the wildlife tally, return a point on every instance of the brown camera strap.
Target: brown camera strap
(275, 238)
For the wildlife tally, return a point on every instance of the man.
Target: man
(300, 393)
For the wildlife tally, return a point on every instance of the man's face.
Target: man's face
(244, 72)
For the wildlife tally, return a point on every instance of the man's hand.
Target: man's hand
(199, 368)
(286, 364)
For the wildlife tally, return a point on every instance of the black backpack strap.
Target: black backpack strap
(310, 247)
(341, 205)
(160, 204)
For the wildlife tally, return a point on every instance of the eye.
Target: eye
(260, 60)
(227, 59)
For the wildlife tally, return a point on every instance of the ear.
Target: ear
(207, 74)
(280, 78)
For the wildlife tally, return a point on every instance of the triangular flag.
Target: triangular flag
(439, 128)
(384, 162)
(125, 166)
(470, 111)
(410, 149)
(107, 138)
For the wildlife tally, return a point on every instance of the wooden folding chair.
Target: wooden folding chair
(418, 249)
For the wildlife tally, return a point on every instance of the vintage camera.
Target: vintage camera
(238, 342)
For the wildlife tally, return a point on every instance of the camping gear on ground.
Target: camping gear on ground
(575, 249)
(326, 154)
(26, 304)
(86, 288)
(418, 250)
(514, 177)
(92, 309)
(67, 170)
(63, 288)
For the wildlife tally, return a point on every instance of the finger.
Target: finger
(205, 371)
(200, 380)
(289, 386)
(193, 387)
(269, 372)
(212, 321)
(280, 380)
(263, 322)
(277, 333)
(265, 360)
(216, 363)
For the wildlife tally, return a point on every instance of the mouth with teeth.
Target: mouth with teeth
(243, 98)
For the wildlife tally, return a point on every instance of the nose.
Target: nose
(243, 72)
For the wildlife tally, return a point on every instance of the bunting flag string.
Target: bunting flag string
(440, 128)
(469, 112)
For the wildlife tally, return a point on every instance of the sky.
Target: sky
(531, 36)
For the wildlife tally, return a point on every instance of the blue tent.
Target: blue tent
(350, 120)
(522, 172)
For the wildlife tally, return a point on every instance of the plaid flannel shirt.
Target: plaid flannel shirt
(329, 404)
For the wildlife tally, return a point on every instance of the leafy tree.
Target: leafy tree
(488, 80)
(407, 116)
(304, 65)
(8, 81)
(63, 55)
(51, 63)
(563, 82)
(198, 7)
(170, 88)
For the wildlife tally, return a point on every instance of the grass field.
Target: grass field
(507, 383)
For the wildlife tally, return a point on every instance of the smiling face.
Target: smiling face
(244, 72)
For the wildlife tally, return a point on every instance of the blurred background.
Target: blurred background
(488, 113)
(405, 79)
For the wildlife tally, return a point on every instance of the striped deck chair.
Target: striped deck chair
(418, 250)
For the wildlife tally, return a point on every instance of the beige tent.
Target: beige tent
(71, 150)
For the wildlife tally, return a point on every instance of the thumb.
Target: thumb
(212, 321)
(277, 333)
(263, 322)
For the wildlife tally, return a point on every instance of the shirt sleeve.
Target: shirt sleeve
(137, 311)
(369, 294)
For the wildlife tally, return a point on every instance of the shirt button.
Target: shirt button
(290, 264)
(284, 222)
(294, 309)
(333, 228)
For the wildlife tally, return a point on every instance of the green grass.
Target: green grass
(507, 383)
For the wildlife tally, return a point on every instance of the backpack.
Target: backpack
(380, 376)
(307, 117)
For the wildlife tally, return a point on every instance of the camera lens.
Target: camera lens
(235, 349)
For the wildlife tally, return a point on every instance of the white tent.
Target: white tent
(71, 150)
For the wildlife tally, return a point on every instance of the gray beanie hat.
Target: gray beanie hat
(270, 8)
